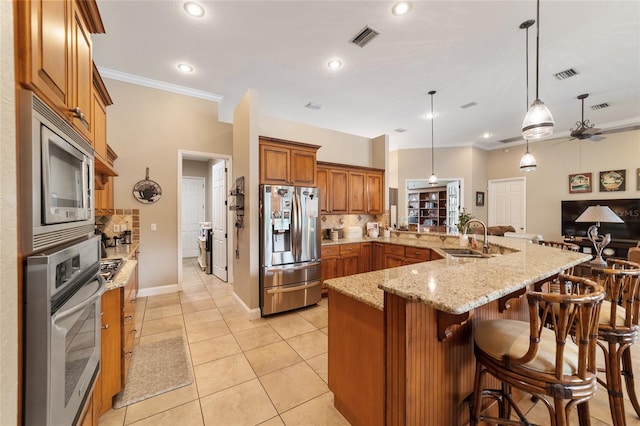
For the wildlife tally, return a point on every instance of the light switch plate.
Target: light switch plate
(116, 228)
(154, 227)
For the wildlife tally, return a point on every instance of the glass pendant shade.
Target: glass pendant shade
(528, 162)
(538, 123)
(433, 179)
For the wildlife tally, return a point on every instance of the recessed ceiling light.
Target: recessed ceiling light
(194, 9)
(401, 8)
(186, 68)
(486, 135)
(429, 115)
(334, 64)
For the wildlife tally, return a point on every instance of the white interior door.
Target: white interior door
(508, 203)
(193, 212)
(219, 220)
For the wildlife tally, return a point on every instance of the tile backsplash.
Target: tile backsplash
(128, 218)
(341, 221)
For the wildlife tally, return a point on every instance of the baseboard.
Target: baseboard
(155, 291)
(253, 313)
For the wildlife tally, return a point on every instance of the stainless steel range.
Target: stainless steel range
(109, 268)
(62, 331)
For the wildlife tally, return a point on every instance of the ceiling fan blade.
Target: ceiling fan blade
(621, 129)
(592, 131)
(597, 138)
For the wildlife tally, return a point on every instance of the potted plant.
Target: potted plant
(463, 218)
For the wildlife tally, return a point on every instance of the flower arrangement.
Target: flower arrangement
(463, 218)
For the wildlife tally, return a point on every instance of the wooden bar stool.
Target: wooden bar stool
(546, 362)
(562, 246)
(618, 331)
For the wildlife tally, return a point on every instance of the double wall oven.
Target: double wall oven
(63, 285)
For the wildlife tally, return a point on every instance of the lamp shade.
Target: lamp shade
(433, 179)
(538, 123)
(528, 162)
(599, 214)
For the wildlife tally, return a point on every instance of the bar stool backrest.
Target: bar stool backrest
(621, 281)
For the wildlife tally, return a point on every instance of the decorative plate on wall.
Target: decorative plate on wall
(147, 191)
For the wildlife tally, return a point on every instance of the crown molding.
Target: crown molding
(160, 85)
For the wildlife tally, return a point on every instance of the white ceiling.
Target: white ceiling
(468, 51)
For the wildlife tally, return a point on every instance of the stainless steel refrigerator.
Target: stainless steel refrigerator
(290, 271)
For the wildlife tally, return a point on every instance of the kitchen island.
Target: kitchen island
(401, 339)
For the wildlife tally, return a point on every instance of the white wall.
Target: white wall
(245, 163)
(146, 128)
(336, 147)
(8, 225)
(462, 162)
(549, 184)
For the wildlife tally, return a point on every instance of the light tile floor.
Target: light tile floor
(269, 371)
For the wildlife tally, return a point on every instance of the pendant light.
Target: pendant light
(433, 179)
(538, 123)
(528, 161)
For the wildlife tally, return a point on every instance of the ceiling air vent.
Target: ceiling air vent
(400, 130)
(600, 106)
(313, 106)
(469, 105)
(563, 75)
(517, 138)
(365, 36)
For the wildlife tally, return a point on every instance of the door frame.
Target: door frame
(202, 156)
(490, 195)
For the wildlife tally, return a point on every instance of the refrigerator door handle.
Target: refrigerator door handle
(295, 227)
(297, 288)
(287, 268)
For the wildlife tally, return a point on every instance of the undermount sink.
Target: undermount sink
(461, 252)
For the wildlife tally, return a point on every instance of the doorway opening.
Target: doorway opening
(432, 207)
(204, 205)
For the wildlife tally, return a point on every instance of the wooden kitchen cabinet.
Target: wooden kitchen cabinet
(357, 193)
(56, 61)
(375, 193)
(104, 198)
(340, 260)
(111, 356)
(287, 163)
(350, 189)
(377, 262)
(366, 257)
(118, 336)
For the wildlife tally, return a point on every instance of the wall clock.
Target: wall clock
(147, 191)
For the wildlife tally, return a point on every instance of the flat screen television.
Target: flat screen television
(628, 209)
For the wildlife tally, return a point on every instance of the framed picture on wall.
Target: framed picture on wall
(579, 183)
(479, 198)
(613, 180)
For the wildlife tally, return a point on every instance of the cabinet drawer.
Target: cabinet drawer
(350, 248)
(327, 251)
(418, 253)
(394, 249)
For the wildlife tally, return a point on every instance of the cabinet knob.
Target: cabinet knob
(128, 318)
(105, 327)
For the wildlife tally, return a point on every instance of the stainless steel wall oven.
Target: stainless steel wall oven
(57, 164)
(63, 290)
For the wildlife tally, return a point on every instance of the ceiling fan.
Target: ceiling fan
(584, 129)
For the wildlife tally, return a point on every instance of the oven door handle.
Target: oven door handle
(60, 315)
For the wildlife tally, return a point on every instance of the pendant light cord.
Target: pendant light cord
(432, 152)
(537, 47)
(526, 106)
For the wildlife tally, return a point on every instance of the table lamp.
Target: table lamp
(598, 214)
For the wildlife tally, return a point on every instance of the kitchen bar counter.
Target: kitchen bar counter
(408, 331)
(128, 253)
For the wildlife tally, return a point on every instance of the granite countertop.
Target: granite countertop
(126, 252)
(458, 285)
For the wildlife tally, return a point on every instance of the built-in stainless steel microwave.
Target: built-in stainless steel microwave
(57, 165)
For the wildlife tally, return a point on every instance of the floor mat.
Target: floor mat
(156, 368)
